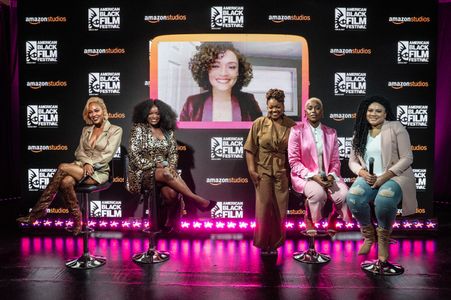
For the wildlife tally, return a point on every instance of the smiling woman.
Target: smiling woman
(99, 141)
(222, 71)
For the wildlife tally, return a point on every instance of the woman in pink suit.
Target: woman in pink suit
(315, 167)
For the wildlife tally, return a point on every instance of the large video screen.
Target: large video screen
(226, 89)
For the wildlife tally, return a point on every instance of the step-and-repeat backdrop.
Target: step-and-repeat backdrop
(128, 51)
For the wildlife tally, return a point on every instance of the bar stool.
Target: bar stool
(152, 255)
(309, 256)
(86, 260)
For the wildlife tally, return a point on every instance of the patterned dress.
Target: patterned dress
(144, 152)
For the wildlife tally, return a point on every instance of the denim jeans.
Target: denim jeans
(386, 199)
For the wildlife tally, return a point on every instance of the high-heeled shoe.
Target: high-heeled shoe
(26, 219)
(209, 206)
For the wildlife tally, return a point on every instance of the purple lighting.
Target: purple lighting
(221, 225)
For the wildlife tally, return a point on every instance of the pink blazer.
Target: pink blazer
(396, 157)
(303, 157)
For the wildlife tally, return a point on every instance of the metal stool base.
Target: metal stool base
(310, 256)
(86, 261)
(376, 267)
(151, 257)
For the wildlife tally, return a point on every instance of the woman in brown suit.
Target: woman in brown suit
(98, 142)
(266, 157)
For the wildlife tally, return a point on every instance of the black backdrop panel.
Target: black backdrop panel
(70, 51)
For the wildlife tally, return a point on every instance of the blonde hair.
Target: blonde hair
(96, 100)
(313, 99)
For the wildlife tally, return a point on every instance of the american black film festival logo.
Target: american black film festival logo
(349, 84)
(106, 209)
(223, 148)
(420, 178)
(104, 83)
(42, 116)
(412, 115)
(104, 18)
(38, 179)
(413, 52)
(228, 210)
(227, 17)
(344, 147)
(350, 18)
(41, 52)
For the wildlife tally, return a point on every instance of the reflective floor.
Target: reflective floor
(218, 267)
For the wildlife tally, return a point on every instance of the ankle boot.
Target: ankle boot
(383, 239)
(74, 209)
(370, 237)
(40, 208)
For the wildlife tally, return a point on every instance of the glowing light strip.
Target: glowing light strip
(213, 225)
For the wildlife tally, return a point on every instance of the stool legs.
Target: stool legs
(152, 255)
(86, 260)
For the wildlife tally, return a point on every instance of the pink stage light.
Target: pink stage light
(208, 225)
(231, 225)
(220, 224)
(136, 224)
(289, 225)
(224, 224)
(243, 225)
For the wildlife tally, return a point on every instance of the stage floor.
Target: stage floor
(218, 267)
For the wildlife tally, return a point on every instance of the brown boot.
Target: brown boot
(370, 237)
(383, 239)
(74, 209)
(40, 208)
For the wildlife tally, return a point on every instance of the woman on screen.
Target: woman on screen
(153, 152)
(222, 71)
(266, 151)
(315, 168)
(381, 157)
(98, 142)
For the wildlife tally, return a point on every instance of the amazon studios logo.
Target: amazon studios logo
(350, 84)
(106, 209)
(104, 18)
(420, 177)
(38, 179)
(104, 83)
(413, 52)
(344, 147)
(229, 210)
(227, 17)
(226, 148)
(41, 52)
(412, 115)
(350, 18)
(42, 116)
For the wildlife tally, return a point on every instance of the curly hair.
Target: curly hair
(99, 101)
(168, 118)
(205, 57)
(361, 126)
(277, 94)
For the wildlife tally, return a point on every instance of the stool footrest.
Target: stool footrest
(376, 267)
(86, 261)
(310, 256)
(151, 256)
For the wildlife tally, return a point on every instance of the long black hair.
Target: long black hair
(168, 118)
(362, 126)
